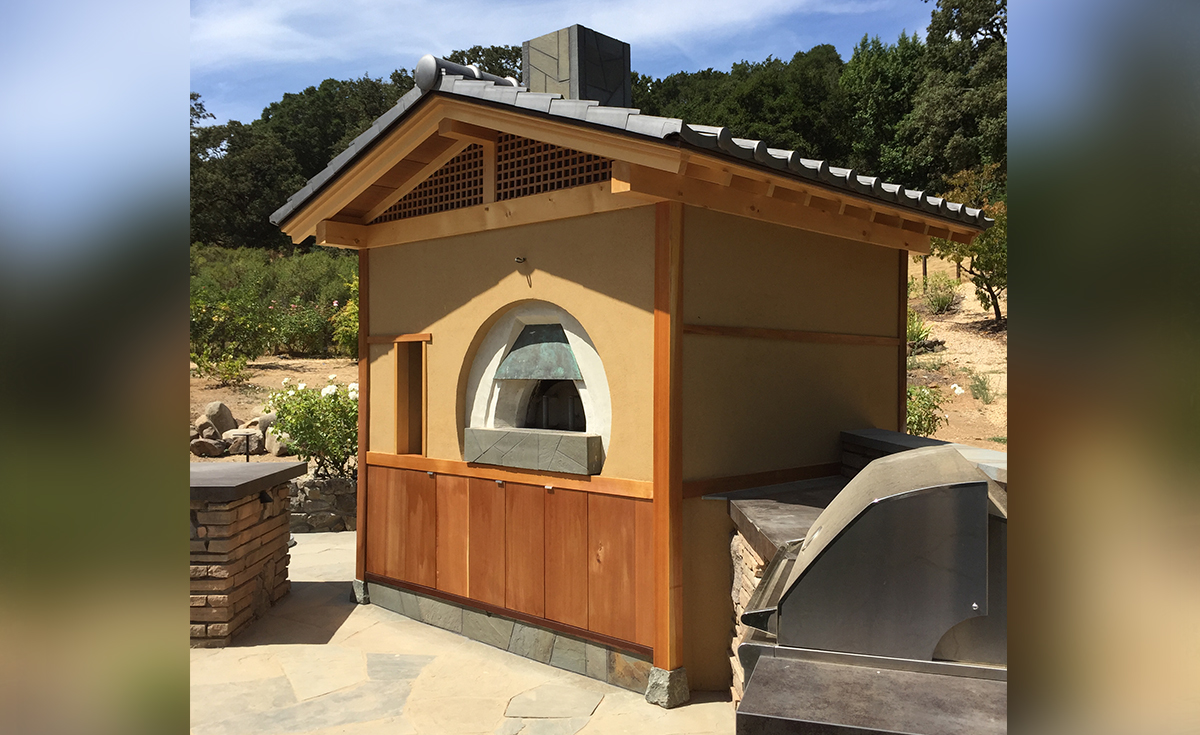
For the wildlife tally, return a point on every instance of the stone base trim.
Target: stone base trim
(360, 592)
(619, 668)
(668, 689)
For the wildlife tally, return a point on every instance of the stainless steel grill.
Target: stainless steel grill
(899, 583)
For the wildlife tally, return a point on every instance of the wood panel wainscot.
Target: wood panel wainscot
(572, 560)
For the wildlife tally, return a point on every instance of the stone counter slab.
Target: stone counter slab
(224, 482)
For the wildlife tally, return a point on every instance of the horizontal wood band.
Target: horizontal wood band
(697, 488)
(792, 335)
(592, 484)
(387, 339)
(515, 615)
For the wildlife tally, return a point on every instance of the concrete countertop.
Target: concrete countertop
(770, 516)
(224, 482)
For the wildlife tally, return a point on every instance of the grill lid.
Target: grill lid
(898, 558)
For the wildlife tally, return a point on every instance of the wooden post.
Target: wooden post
(668, 457)
(364, 407)
(902, 332)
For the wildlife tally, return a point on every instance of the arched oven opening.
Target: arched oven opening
(555, 404)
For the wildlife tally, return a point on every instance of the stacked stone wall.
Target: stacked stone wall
(239, 563)
(323, 504)
(747, 573)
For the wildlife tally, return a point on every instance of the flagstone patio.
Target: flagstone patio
(319, 663)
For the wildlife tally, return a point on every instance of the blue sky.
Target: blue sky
(246, 54)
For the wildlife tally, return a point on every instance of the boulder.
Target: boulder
(207, 447)
(193, 433)
(220, 416)
(262, 423)
(206, 429)
(278, 444)
(237, 443)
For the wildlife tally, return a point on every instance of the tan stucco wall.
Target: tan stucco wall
(707, 605)
(600, 268)
(744, 273)
(753, 405)
(381, 433)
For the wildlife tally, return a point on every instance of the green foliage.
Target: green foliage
(999, 439)
(928, 364)
(317, 124)
(985, 259)
(266, 303)
(981, 388)
(240, 174)
(321, 425)
(918, 330)
(223, 371)
(345, 323)
(300, 329)
(227, 327)
(503, 61)
(924, 410)
(795, 104)
(912, 286)
(959, 116)
(880, 81)
(940, 291)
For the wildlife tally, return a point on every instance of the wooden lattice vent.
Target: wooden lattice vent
(525, 167)
(457, 184)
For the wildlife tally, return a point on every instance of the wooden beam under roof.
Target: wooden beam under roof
(440, 153)
(632, 179)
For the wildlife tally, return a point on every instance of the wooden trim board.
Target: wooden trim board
(364, 409)
(643, 181)
(792, 335)
(592, 484)
(387, 339)
(710, 486)
(902, 347)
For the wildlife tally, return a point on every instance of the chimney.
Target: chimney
(580, 64)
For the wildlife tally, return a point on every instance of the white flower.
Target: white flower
(285, 381)
(302, 386)
(291, 392)
(333, 376)
(957, 391)
(353, 387)
(353, 395)
(328, 390)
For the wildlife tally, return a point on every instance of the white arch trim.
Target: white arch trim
(495, 403)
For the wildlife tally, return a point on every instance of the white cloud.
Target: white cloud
(227, 34)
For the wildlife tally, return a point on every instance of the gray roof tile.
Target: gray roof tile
(437, 75)
(577, 109)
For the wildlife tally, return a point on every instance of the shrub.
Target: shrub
(322, 425)
(266, 285)
(225, 371)
(226, 331)
(940, 293)
(300, 329)
(345, 323)
(912, 286)
(924, 410)
(918, 330)
(981, 388)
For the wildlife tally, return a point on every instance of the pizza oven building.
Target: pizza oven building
(577, 320)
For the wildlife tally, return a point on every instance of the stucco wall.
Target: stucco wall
(600, 268)
(752, 405)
